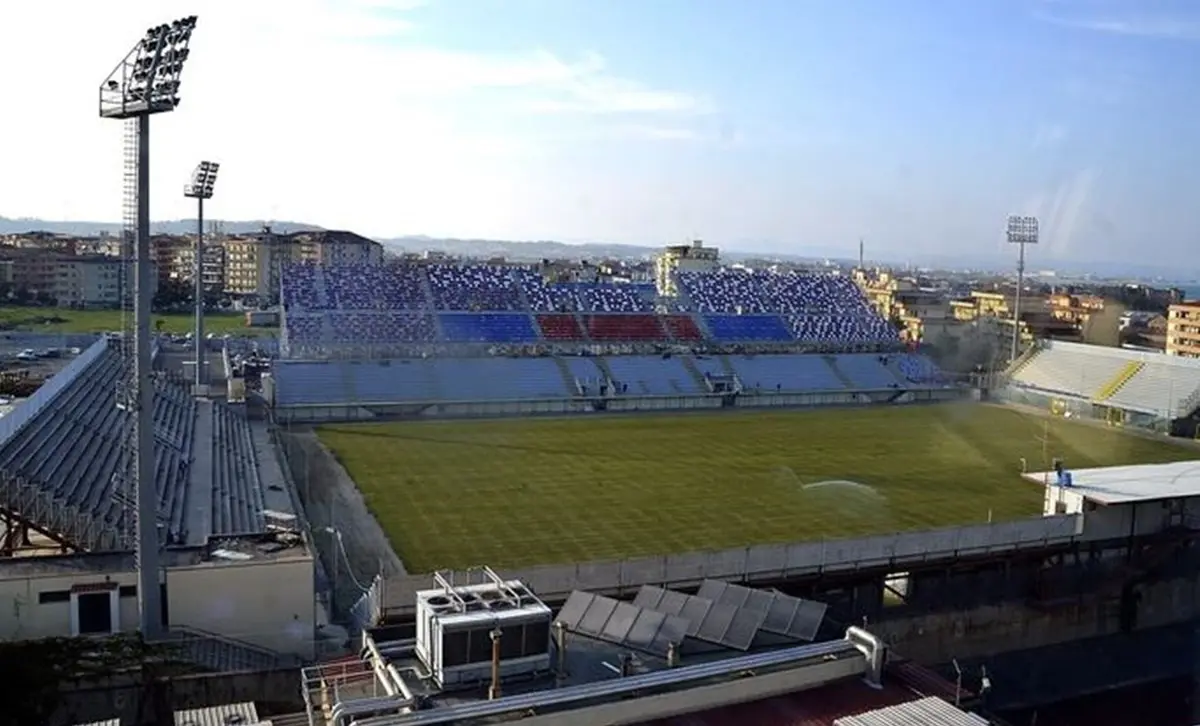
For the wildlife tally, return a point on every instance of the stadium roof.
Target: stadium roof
(61, 462)
(1128, 484)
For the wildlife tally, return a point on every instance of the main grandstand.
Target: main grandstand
(370, 340)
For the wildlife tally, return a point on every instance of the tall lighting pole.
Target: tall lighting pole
(200, 188)
(1021, 231)
(144, 83)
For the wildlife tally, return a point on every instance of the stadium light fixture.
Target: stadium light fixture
(204, 179)
(1022, 230)
(144, 83)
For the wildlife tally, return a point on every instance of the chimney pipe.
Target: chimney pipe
(560, 639)
(494, 690)
(672, 655)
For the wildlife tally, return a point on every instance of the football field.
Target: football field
(519, 492)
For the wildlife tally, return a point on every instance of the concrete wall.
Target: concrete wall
(265, 603)
(896, 552)
(983, 631)
(22, 617)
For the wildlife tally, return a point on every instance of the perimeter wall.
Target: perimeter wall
(769, 563)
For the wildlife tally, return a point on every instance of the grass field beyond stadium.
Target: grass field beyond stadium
(531, 491)
(65, 320)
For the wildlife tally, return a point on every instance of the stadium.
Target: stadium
(489, 416)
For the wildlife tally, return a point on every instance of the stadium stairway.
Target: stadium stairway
(602, 364)
(1110, 389)
(1021, 361)
(322, 287)
(690, 364)
(726, 365)
(568, 377)
(845, 379)
(893, 367)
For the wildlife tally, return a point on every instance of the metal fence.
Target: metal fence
(367, 611)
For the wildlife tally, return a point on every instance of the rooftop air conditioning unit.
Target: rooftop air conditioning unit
(455, 624)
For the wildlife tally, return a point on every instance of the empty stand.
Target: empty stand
(651, 376)
(790, 373)
(865, 370)
(1161, 386)
(500, 379)
(563, 327)
(624, 328)
(475, 287)
(747, 328)
(487, 328)
(1077, 370)
(71, 447)
(683, 328)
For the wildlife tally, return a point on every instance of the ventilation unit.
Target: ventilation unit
(455, 625)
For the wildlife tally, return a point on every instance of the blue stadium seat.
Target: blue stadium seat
(746, 328)
(651, 375)
(488, 328)
(865, 370)
(500, 379)
(788, 373)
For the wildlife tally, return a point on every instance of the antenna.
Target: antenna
(861, 265)
(145, 82)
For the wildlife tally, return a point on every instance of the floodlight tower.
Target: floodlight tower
(1021, 231)
(144, 83)
(204, 178)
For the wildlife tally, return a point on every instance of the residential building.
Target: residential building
(253, 263)
(694, 257)
(69, 280)
(1183, 329)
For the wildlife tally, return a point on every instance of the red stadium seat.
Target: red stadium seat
(559, 327)
(624, 327)
(683, 327)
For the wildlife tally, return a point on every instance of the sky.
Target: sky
(786, 126)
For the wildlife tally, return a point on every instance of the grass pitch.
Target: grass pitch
(533, 491)
(65, 320)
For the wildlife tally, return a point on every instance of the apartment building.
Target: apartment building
(212, 270)
(70, 280)
(253, 263)
(1183, 329)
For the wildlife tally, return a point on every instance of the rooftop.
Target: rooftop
(1109, 485)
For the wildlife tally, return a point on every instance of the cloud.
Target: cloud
(1062, 211)
(341, 112)
(1048, 135)
(1144, 26)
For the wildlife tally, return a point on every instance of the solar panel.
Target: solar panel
(719, 623)
(782, 614)
(621, 623)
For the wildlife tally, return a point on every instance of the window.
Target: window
(52, 596)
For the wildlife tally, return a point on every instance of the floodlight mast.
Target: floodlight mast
(204, 178)
(1021, 231)
(146, 82)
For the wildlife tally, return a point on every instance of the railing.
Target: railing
(34, 504)
(367, 612)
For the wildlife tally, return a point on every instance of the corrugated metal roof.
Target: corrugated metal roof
(231, 714)
(923, 712)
